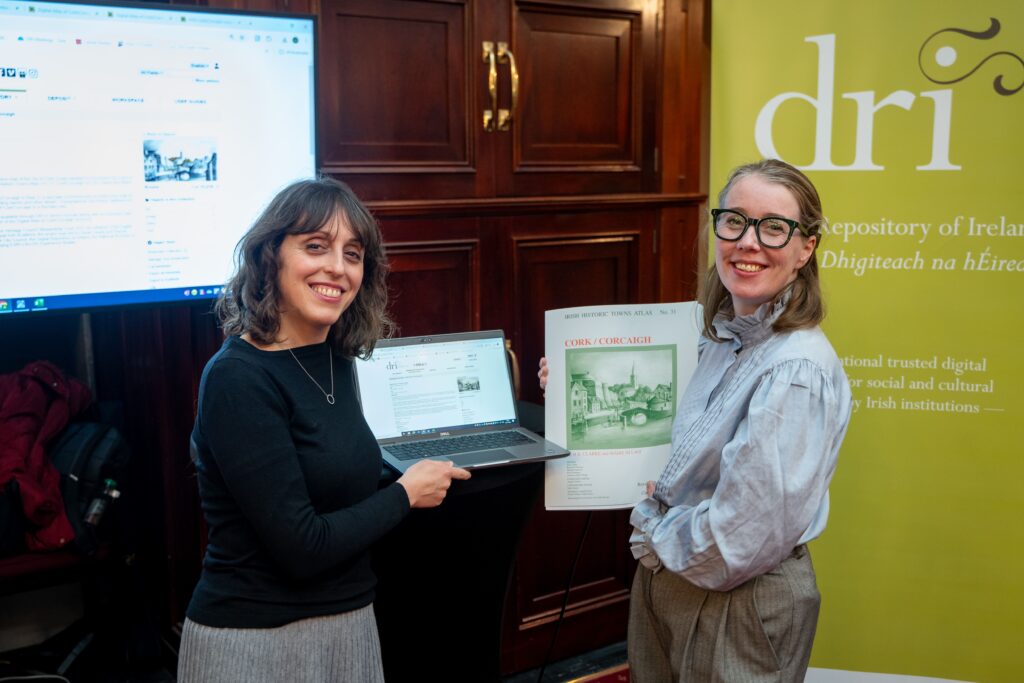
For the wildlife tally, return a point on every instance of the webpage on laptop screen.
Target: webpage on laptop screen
(431, 388)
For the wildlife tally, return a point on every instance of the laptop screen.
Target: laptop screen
(438, 384)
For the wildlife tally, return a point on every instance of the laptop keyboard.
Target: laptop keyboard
(457, 444)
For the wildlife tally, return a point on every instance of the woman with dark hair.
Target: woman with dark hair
(725, 590)
(287, 468)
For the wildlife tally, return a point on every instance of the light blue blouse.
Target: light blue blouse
(754, 446)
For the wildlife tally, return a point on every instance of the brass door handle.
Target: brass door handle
(492, 85)
(505, 115)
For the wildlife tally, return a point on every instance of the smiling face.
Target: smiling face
(753, 274)
(319, 274)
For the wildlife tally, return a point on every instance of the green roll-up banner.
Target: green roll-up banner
(909, 118)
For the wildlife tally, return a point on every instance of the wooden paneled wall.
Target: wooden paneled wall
(594, 195)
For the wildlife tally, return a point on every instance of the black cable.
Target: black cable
(565, 602)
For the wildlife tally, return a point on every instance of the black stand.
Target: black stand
(444, 572)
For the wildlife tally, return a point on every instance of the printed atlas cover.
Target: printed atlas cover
(615, 375)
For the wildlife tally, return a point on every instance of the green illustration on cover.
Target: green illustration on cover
(620, 397)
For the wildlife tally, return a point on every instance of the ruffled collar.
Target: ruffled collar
(746, 330)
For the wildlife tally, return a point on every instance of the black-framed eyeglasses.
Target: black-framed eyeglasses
(773, 232)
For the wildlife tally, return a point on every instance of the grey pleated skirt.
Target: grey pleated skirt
(338, 648)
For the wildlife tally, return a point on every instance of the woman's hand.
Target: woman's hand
(650, 489)
(426, 483)
(542, 374)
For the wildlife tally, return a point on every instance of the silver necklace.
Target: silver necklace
(330, 357)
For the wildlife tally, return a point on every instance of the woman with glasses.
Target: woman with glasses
(725, 590)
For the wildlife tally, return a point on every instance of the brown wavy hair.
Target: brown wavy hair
(806, 307)
(249, 302)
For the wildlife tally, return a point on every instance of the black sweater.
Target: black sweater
(288, 485)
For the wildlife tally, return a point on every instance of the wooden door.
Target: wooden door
(405, 84)
(435, 281)
(584, 119)
(559, 260)
(400, 87)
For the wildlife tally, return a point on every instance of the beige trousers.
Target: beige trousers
(759, 632)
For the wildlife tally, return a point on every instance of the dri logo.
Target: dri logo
(867, 106)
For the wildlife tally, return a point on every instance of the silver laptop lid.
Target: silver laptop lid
(436, 384)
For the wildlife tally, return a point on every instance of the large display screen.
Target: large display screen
(138, 143)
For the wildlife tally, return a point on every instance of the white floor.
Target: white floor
(836, 676)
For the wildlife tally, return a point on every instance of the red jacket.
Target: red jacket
(36, 403)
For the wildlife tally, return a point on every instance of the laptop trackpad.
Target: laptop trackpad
(491, 457)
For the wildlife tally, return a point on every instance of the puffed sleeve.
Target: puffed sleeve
(774, 477)
(251, 445)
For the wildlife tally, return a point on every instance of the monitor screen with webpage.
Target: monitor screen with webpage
(137, 145)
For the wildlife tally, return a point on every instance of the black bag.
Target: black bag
(91, 458)
(12, 520)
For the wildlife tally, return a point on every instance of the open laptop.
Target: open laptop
(446, 397)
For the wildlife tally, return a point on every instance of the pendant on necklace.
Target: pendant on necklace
(330, 399)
